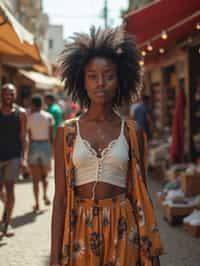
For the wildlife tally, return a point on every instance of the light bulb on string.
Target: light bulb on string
(161, 50)
(143, 53)
(149, 47)
(198, 26)
(164, 35)
(141, 63)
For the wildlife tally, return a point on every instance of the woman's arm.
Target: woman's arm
(59, 203)
(155, 261)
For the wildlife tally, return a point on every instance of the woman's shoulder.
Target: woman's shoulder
(131, 124)
(68, 127)
(70, 123)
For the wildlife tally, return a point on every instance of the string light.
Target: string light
(149, 47)
(164, 35)
(141, 63)
(161, 50)
(199, 50)
(143, 53)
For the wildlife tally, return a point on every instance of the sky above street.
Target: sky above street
(79, 15)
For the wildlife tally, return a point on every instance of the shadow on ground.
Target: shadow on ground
(26, 218)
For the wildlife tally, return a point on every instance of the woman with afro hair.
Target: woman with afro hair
(102, 213)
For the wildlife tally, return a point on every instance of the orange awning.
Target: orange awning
(16, 43)
(41, 81)
(175, 19)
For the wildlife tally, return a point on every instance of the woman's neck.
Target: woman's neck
(100, 112)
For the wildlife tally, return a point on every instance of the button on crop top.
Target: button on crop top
(110, 168)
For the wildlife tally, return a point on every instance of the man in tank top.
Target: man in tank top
(13, 151)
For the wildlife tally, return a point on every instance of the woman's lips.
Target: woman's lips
(100, 93)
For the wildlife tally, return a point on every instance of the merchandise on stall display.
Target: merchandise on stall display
(174, 214)
(193, 217)
(192, 223)
(190, 183)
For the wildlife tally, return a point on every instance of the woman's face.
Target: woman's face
(101, 80)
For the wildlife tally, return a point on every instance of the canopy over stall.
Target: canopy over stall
(17, 45)
(41, 81)
(163, 23)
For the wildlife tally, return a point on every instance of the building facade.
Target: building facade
(30, 14)
(55, 42)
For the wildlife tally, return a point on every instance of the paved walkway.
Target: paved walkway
(31, 244)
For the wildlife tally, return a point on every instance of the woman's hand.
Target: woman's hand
(155, 261)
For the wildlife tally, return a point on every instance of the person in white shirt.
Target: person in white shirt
(40, 129)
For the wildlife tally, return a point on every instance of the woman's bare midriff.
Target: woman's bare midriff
(102, 190)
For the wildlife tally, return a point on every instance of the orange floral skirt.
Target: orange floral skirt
(105, 233)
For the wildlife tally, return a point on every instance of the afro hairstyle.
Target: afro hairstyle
(113, 44)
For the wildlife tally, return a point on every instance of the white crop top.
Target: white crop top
(110, 168)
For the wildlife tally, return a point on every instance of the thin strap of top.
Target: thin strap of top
(122, 126)
(77, 127)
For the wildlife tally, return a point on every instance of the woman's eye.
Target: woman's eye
(110, 77)
(92, 76)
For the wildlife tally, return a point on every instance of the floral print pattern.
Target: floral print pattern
(106, 217)
(131, 229)
(96, 243)
(146, 245)
(78, 248)
(122, 227)
(133, 237)
(73, 219)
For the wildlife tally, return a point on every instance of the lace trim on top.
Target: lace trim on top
(106, 149)
(103, 152)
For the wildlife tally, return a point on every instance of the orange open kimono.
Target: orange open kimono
(149, 238)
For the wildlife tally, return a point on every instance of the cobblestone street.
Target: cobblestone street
(30, 246)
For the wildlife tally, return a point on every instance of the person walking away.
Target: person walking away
(13, 150)
(140, 113)
(54, 109)
(40, 129)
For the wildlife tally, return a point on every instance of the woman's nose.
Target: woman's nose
(101, 80)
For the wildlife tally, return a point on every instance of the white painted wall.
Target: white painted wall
(55, 42)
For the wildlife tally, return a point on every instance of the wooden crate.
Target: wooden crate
(174, 215)
(193, 230)
(190, 184)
